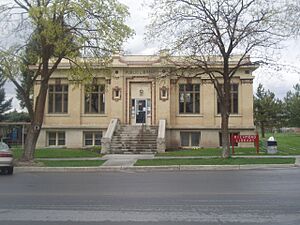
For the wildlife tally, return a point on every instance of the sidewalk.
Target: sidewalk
(121, 162)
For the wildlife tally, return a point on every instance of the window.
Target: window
(189, 98)
(56, 138)
(190, 139)
(163, 95)
(234, 100)
(92, 138)
(116, 93)
(230, 135)
(95, 99)
(58, 99)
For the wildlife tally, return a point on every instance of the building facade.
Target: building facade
(139, 90)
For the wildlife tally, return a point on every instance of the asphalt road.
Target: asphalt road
(152, 198)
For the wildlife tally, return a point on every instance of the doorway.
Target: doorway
(141, 111)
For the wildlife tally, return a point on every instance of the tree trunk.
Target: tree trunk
(225, 111)
(225, 137)
(36, 123)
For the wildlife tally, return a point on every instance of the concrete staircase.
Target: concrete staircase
(133, 139)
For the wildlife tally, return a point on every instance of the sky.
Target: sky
(278, 82)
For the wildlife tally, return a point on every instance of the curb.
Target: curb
(154, 168)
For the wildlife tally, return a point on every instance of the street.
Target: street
(150, 198)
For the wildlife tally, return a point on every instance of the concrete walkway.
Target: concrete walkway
(123, 159)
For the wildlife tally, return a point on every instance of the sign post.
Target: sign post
(245, 138)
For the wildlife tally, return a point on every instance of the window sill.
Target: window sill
(57, 115)
(231, 115)
(189, 115)
(94, 115)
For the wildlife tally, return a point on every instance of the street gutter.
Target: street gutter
(155, 168)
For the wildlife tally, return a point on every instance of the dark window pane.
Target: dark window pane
(88, 142)
(58, 88)
(195, 137)
(197, 103)
(181, 87)
(181, 107)
(102, 103)
(51, 138)
(102, 88)
(98, 137)
(88, 138)
(184, 138)
(189, 103)
(65, 103)
(58, 102)
(188, 87)
(51, 88)
(94, 103)
(61, 138)
(50, 103)
(52, 142)
(197, 87)
(235, 103)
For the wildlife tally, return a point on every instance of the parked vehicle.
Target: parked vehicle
(6, 159)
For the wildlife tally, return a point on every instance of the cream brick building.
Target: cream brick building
(138, 90)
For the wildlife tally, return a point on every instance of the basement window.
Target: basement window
(190, 139)
(56, 138)
(92, 138)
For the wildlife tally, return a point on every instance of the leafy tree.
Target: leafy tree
(75, 30)
(16, 116)
(209, 32)
(268, 111)
(292, 102)
(5, 105)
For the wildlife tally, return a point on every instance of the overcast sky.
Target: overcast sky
(278, 82)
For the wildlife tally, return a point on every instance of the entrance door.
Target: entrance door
(141, 111)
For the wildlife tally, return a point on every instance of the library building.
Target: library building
(136, 105)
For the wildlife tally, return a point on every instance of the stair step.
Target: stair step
(129, 139)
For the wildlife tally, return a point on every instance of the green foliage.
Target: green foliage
(5, 105)
(15, 116)
(268, 111)
(292, 102)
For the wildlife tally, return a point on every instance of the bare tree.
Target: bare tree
(56, 30)
(224, 31)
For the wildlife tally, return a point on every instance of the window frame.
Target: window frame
(57, 138)
(234, 98)
(88, 99)
(185, 93)
(53, 93)
(189, 133)
(93, 139)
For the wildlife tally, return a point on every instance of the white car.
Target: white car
(6, 159)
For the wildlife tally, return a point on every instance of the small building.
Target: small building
(135, 95)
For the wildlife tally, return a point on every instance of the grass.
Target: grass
(72, 163)
(214, 161)
(59, 153)
(288, 144)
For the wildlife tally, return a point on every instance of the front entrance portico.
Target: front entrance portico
(141, 104)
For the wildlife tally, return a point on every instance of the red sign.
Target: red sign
(245, 138)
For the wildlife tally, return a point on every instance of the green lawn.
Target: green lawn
(59, 153)
(72, 163)
(214, 161)
(288, 144)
